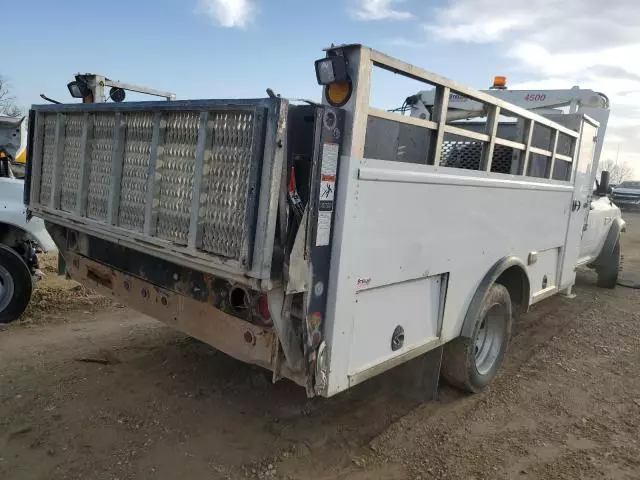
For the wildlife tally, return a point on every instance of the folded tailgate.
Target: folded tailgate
(192, 181)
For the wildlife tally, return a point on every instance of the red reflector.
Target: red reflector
(315, 320)
(263, 307)
(292, 181)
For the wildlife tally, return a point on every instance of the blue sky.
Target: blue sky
(177, 46)
(238, 48)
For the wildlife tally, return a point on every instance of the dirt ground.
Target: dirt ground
(92, 390)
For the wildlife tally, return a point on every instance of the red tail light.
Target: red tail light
(263, 308)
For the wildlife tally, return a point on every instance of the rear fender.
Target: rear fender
(518, 283)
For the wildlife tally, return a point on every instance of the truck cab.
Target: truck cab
(602, 213)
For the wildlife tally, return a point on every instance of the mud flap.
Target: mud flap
(419, 378)
(408, 385)
(62, 265)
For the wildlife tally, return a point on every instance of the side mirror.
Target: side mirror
(603, 186)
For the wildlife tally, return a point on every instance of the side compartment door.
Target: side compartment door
(579, 208)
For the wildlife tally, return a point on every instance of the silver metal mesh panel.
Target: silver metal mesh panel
(461, 154)
(100, 146)
(71, 162)
(48, 157)
(502, 159)
(135, 169)
(227, 178)
(229, 162)
(176, 168)
(468, 154)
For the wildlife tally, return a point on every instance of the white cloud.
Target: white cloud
(467, 21)
(229, 13)
(379, 10)
(578, 24)
(405, 43)
(561, 43)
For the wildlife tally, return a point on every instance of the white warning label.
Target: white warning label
(323, 235)
(330, 159)
(328, 172)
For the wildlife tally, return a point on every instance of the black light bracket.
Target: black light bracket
(331, 69)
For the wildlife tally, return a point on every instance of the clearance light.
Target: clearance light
(500, 82)
(338, 93)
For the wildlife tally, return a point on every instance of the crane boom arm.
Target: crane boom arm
(534, 100)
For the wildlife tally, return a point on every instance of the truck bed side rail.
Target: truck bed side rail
(540, 145)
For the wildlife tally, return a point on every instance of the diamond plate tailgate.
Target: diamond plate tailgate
(195, 179)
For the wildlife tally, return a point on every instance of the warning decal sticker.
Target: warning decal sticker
(328, 172)
(330, 159)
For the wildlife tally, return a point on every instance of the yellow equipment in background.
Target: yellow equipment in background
(21, 157)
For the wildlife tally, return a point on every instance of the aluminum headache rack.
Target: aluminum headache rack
(197, 181)
(541, 138)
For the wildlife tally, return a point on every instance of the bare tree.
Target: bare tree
(618, 171)
(8, 105)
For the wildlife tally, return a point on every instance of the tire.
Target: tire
(609, 270)
(15, 285)
(471, 363)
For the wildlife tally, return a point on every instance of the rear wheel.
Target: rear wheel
(610, 268)
(471, 363)
(15, 285)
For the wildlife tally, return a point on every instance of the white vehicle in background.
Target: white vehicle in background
(13, 140)
(330, 242)
(22, 237)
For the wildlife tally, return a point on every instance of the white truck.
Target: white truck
(328, 242)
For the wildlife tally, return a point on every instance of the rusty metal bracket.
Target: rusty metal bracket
(240, 339)
(280, 310)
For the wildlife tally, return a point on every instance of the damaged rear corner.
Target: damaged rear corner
(312, 178)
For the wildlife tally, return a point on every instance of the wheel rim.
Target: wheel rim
(490, 338)
(6, 288)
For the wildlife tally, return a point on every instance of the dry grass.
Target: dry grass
(55, 295)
